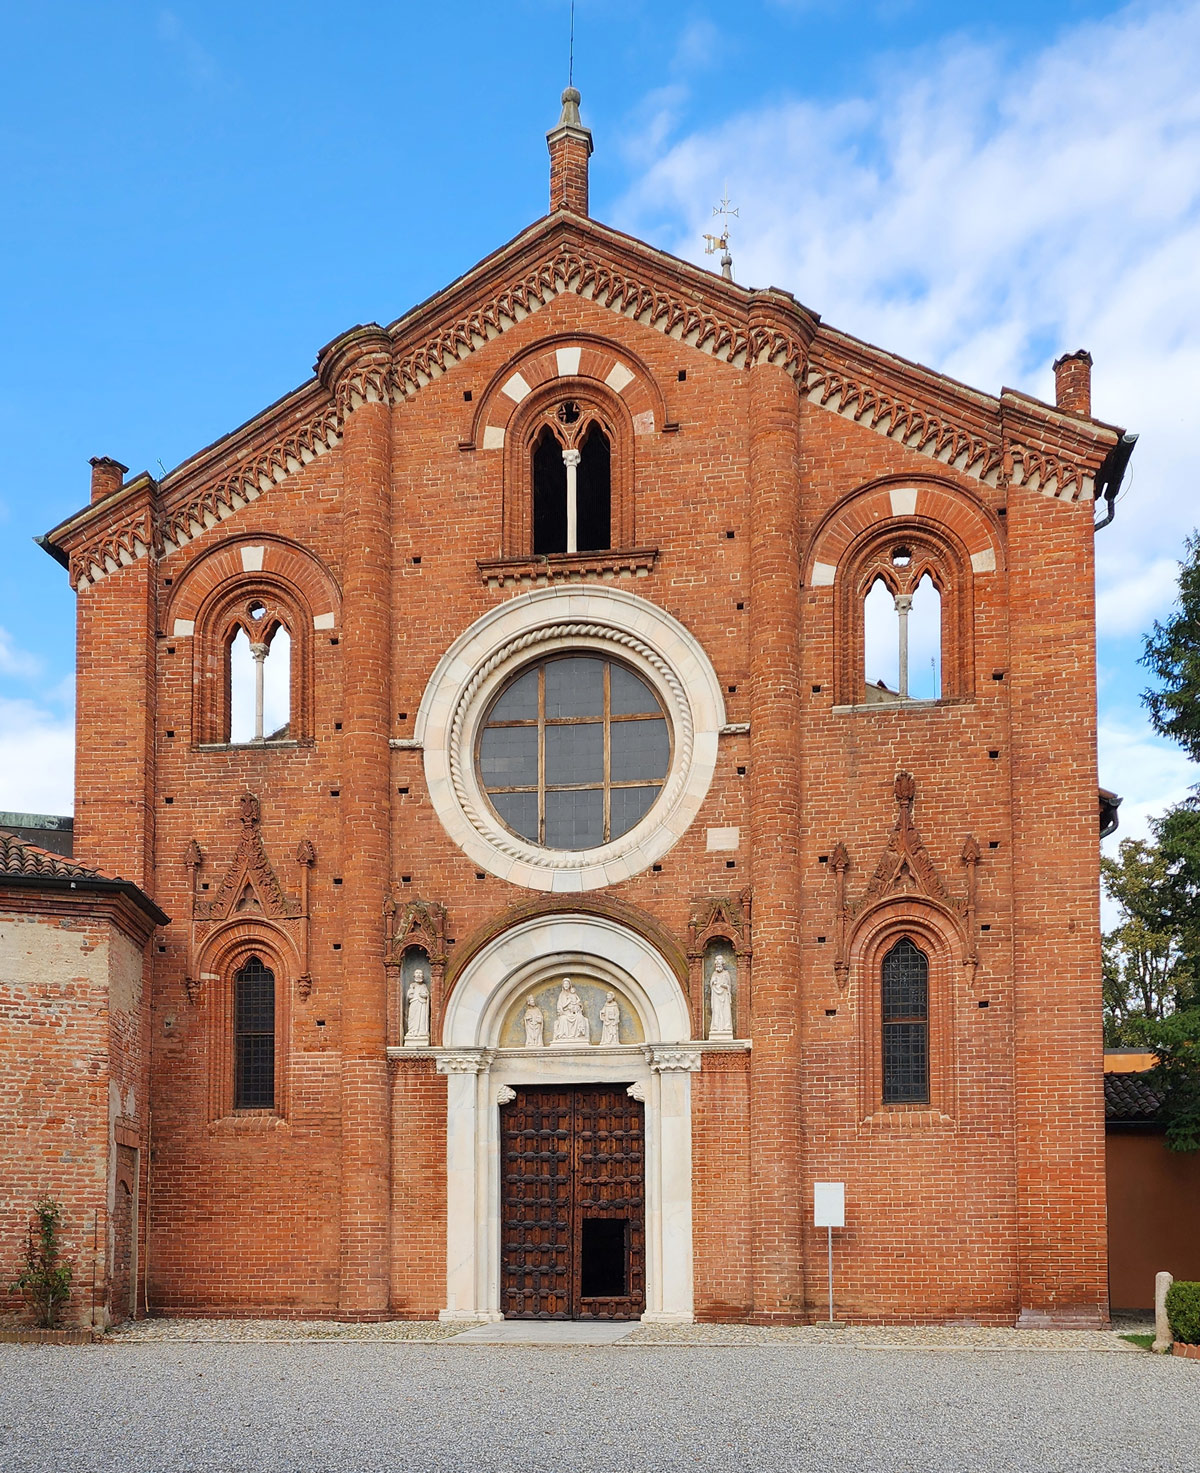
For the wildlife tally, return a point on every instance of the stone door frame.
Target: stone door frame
(479, 1075)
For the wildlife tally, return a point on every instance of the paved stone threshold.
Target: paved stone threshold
(626, 1335)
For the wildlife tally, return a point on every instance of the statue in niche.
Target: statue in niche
(720, 1000)
(535, 1024)
(571, 1025)
(416, 1034)
(610, 1020)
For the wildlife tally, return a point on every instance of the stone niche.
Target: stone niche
(592, 996)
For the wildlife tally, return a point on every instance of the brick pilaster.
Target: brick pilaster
(359, 366)
(776, 823)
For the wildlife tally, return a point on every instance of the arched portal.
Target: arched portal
(489, 1055)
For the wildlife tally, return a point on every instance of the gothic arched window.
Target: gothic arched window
(904, 1019)
(904, 619)
(260, 677)
(254, 1036)
(571, 477)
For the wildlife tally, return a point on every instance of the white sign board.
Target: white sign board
(829, 1204)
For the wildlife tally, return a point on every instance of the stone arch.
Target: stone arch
(938, 931)
(952, 537)
(481, 1077)
(918, 501)
(562, 360)
(220, 955)
(205, 609)
(508, 964)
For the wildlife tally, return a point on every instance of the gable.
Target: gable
(1011, 439)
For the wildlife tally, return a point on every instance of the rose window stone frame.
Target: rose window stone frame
(605, 621)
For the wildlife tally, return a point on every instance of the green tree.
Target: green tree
(1145, 972)
(1173, 655)
(1173, 896)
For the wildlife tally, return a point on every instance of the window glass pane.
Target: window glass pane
(905, 982)
(508, 756)
(627, 807)
(575, 754)
(519, 701)
(631, 696)
(254, 1037)
(519, 811)
(640, 751)
(575, 820)
(255, 1083)
(905, 1063)
(574, 688)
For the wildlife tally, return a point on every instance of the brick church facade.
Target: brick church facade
(593, 900)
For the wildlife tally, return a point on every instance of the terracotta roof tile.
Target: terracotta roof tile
(1131, 1099)
(19, 857)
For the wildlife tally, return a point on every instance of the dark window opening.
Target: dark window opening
(254, 1037)
(549, 495)
(905, 1015)
(594, 492)
(604, 1258)
(590, 474)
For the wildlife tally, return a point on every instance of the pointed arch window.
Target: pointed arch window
(254, 1036)
(904, 620)
(259, 656)
(904, 1015)
(571, 477)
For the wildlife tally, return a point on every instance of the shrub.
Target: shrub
(1183, 1311)
(45, 1281)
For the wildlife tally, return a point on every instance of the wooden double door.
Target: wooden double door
(573, 1204)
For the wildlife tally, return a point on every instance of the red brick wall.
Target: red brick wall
(54, 1086)
(994, 1206)
(723, 1222)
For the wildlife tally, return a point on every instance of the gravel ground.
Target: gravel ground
(365, 1406)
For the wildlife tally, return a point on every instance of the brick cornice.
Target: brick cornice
(115, 902)
(1007, 440)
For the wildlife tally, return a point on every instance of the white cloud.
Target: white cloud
(14, 661)
(37, 758)
(1150, 775)
(982, 211)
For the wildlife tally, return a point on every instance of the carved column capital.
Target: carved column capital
(672, 1059)
(464, 1060)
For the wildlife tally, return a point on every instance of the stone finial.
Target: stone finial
(570, 146)
(570, 108)
(1073, 382)
(107, 476)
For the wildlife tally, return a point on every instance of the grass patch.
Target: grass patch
(1143, 1342)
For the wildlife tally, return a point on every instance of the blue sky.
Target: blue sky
(199, 196)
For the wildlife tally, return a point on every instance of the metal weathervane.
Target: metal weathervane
(715, 243)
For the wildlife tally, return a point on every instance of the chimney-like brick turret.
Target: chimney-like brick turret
(1073, 382)
(570, 146)
(107, 476)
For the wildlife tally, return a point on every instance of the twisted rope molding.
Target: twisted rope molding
(500, 838)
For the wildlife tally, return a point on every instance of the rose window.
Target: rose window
(573, 752)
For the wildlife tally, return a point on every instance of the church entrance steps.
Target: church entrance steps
(547, 1332)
